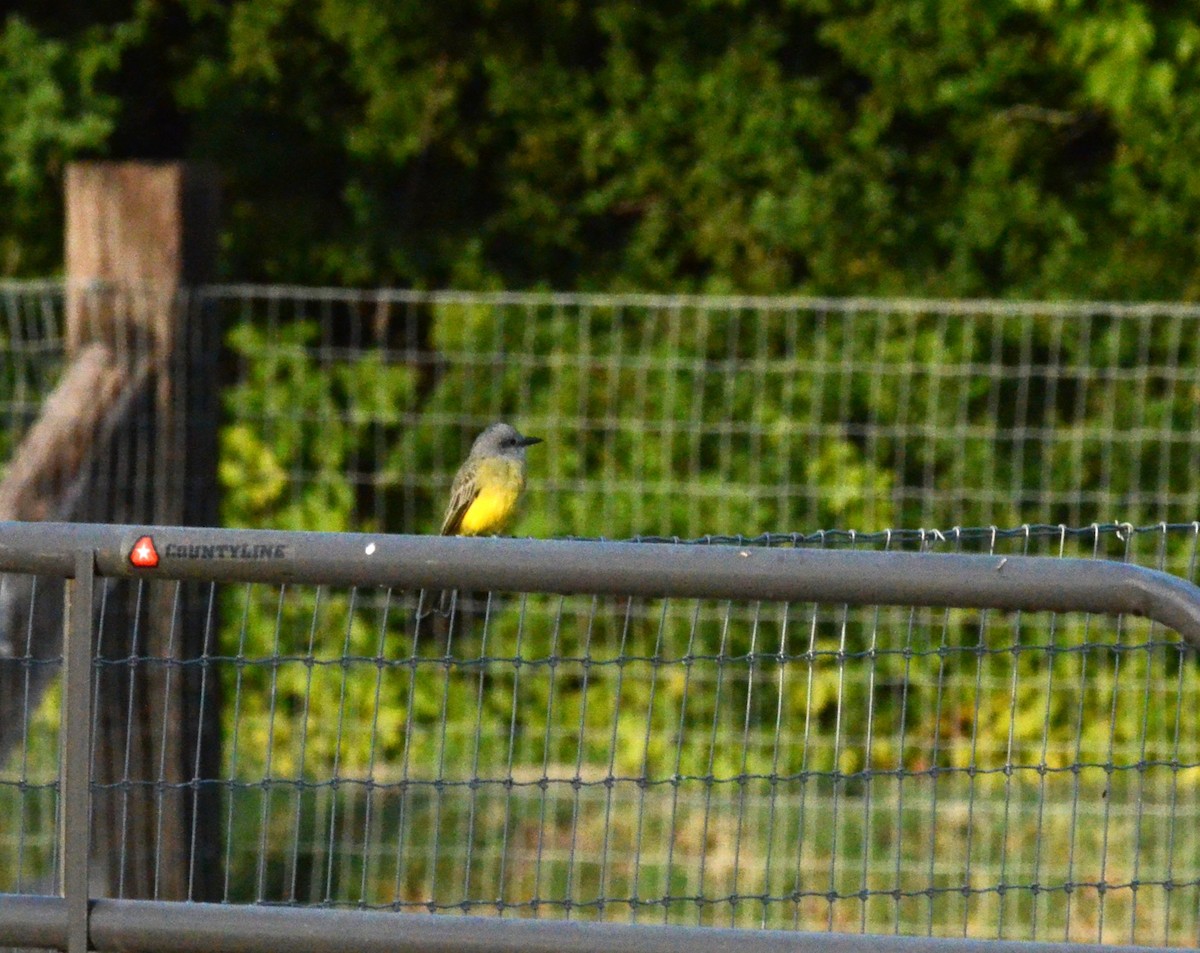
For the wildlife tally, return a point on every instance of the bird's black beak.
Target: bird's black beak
(530, 441)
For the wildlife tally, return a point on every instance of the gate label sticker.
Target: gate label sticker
(144, 555)
(225, 551)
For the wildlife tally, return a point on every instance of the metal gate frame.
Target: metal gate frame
(81, 552)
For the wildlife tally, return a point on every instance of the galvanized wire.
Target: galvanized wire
(686, 415)
(691, 415)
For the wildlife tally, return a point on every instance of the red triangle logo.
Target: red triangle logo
(144, 555)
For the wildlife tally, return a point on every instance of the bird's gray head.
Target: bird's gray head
(502, 440)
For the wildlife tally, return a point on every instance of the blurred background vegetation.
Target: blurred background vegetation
(1026, 150)
(922, 147)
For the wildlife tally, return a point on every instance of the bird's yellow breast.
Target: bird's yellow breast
(500, 484)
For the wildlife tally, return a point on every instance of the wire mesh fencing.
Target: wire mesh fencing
(685, 416)
(111, 411)
(678, 416)
(813, 766)
(29, 778)
(32, 351)
(686, 761)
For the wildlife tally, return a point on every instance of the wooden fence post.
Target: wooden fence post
(138, 236)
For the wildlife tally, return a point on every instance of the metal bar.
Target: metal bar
(152, 925)
(49, 549)
(27, 921)
(783, 302)
(76, 751)
(1030, 583)
(149, 926)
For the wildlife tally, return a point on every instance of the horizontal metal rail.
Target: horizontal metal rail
(953, 580)
(149, 926)
(33, 921)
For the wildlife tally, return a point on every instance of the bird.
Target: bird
(488, 485)
(485, 491)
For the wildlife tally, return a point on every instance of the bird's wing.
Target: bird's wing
(462, 494)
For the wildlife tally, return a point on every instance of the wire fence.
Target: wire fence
(32, 347)
(687, 416)
(810, 766)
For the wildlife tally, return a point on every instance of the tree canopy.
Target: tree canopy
(1030, 148)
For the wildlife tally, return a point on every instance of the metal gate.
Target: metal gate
(827, 742)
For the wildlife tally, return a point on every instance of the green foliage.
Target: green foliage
(51, 109)
(899, 146)
(301, 428)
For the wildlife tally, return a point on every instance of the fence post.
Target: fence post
(76, 754)
(138, 236)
